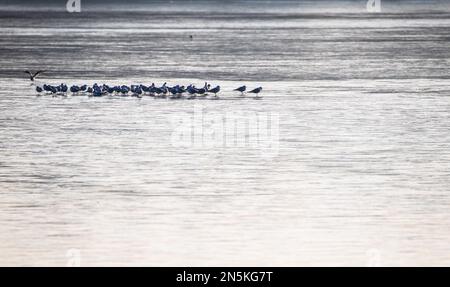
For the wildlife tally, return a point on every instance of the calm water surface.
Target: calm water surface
(359, 174)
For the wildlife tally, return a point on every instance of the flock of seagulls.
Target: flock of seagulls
(139, 90)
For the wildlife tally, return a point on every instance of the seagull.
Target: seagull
(256, 91)
(192, 91)
(74, 89)
(241, 89)
(202, 91)
(124, 90)
(137, 92)
(215, 90)
(163, 91)
(46, 88)
(63, 88)
(53, 90)
(33, 76)
(96, 91)
(144, 88)
(176, 91)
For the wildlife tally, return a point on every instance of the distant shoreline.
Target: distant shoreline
(243, 7)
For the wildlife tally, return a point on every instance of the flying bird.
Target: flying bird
(33, 76)
(241, 89)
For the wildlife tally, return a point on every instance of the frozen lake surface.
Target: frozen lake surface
(357, 171)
